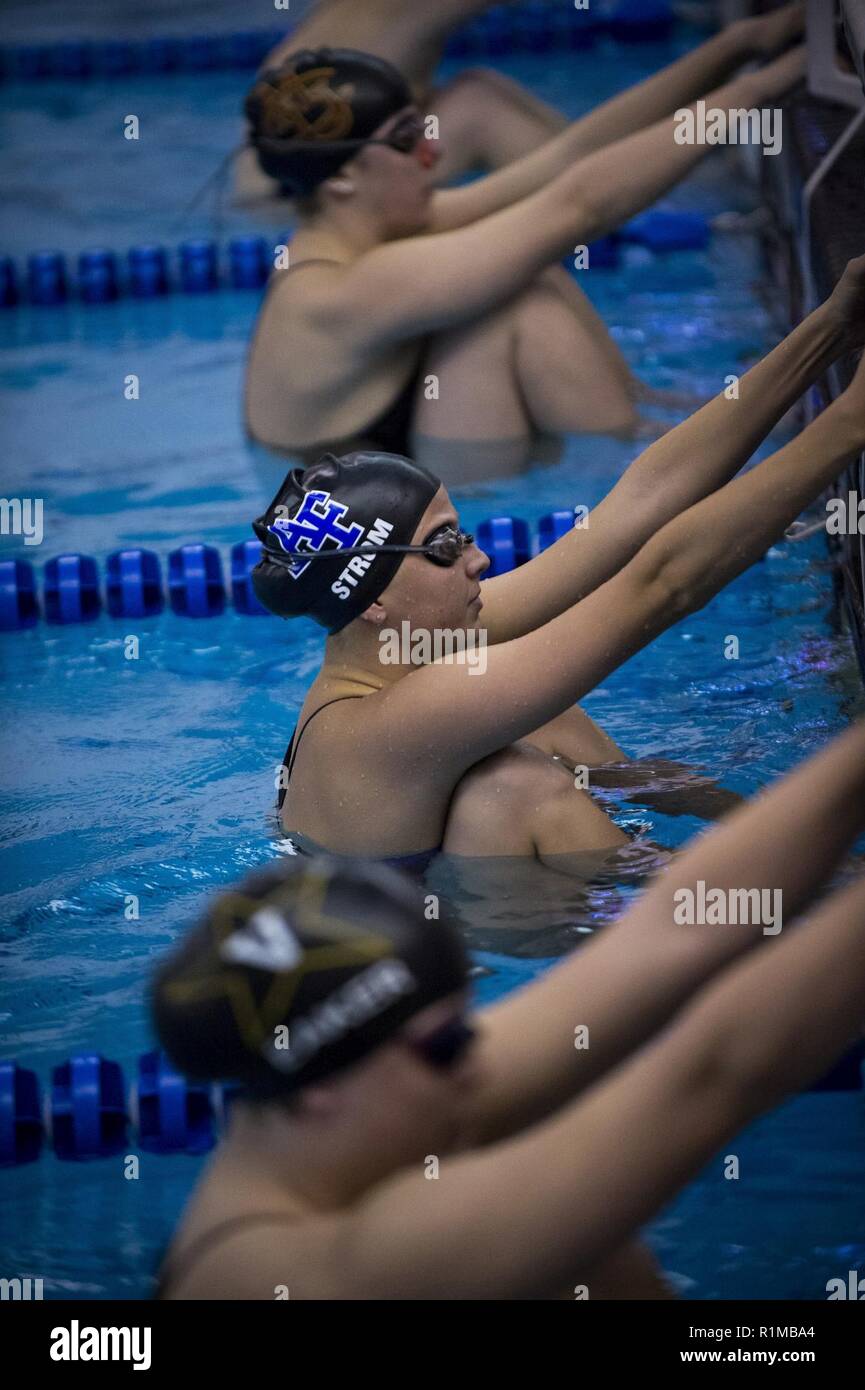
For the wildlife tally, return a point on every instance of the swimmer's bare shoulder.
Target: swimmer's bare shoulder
(312, 1261)
(288, 1259)
(302, 370)
(314, 372)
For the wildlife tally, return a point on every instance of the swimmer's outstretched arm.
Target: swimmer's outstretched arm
(674, 87)
(415, 285)
(629, 981)
(613, 175)
(527, 682)
(404, 28)
(674, 789)
(687, 464)
(522, 1218)
(684, 81)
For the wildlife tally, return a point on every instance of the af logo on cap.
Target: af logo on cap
(318, 520)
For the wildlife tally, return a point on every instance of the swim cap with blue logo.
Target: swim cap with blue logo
(361, 499)
(303, 970)
(310, 116)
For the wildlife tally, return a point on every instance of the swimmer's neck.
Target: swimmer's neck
(353, 658)
(306, 1160)
(343, 232)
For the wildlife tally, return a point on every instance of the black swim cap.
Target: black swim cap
(308, 117)
(304, 969)
(338, 504)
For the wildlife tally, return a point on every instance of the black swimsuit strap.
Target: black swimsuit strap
(294, 743)
(172, 1271)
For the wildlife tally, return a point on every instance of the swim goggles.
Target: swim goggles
(444, 1047)
(444, 548)
(405, 137)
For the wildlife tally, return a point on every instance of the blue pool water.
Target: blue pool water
(154, 777)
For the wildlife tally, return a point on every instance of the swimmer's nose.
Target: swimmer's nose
(429, 153)
(478, 561)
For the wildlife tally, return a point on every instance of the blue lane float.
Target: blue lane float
(249, 261)
(660, 232)
(552, 527)
(88, 1115)
(506, 541)
(97, 276)
(46, 278)
(18, 605)
(147, 271)
(142, 273)
(195, 586)
(72, 58)
(71, 589)
(531, 28)
(245, 555)
(173, 1115)
(603, 253)
(199, 266)
(668, 231)
(9, 290)
(536, 27)
(637, 21)
(133, 584)
(21, 1129)
(114, 57)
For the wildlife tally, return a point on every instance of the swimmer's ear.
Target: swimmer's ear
(316, 1101)
(374, 614)
(341, 185)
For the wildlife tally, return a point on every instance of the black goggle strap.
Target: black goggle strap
(338, 146)
(456, 547)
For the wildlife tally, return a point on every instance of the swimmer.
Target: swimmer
(399, 752)
(488, 118)
(393, 284)
(389, 1144)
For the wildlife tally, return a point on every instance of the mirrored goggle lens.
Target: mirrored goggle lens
(447, 547)
(445, 1047)
(405, 136)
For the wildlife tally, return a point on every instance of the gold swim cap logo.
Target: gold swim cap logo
(303, 106)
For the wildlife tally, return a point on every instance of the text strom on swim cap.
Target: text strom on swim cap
(359, 564)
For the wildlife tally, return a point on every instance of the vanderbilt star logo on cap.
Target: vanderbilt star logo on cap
(256, 1020)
